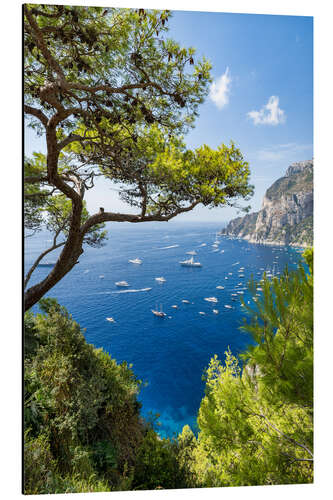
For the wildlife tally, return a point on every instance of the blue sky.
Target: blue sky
(262, 59)
(261, 98)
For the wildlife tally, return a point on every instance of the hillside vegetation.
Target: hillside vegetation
(83, 429)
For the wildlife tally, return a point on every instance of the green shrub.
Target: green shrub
(80, 403)
(157, 464)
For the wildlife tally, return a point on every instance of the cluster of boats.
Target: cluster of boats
(191, 262)
(124, 284)
(187, 262)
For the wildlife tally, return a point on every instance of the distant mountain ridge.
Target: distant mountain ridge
(286, 216)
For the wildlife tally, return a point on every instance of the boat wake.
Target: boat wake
(166, 248)
(123, 291)
(133, 291)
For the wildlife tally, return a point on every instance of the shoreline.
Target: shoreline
(270, 243)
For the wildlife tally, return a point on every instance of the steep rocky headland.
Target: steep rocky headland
(286, 216)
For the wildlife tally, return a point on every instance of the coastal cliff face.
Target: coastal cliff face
(286, 216)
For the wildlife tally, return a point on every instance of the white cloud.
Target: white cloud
(269, 114)
(219, 90)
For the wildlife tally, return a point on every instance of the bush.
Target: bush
(157, 465)
(81, 408)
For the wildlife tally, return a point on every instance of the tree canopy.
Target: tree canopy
(113, 95)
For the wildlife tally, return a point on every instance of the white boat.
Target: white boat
(234, 294)
(202, 313)
(215, 311)
(121, 284)
(185, 301)
(220, 287)
(217, 241)
(160, 279)
(191, 252)
(203, 245)
(47, 264)
(228, 307)
(211, 299)
(135, 261)
(175, 306)
(190, 263)
(102, 276)
(111, 320)
(215, 245)
(159, 313)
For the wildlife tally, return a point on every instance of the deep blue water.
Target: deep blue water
(169, 354)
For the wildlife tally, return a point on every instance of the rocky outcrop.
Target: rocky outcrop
(286, 216)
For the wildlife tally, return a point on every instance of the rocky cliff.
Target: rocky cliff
(286, 216)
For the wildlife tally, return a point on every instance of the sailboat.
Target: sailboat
(190, 263)
(217, 241)
(159, 313)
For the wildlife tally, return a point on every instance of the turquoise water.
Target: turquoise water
(168, 354)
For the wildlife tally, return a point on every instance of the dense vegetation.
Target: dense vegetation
(83, 430)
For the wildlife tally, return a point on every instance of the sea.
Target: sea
(170, 354)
